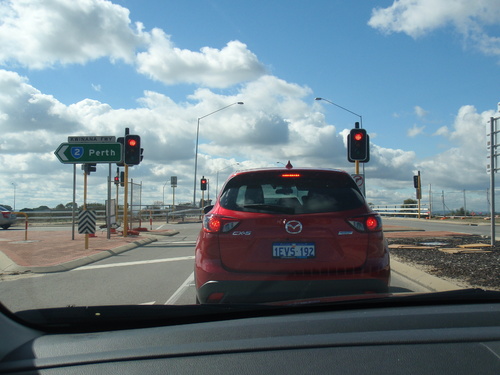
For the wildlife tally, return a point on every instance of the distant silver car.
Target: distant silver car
(7, 218)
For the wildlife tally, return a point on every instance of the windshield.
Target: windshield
(230, 152)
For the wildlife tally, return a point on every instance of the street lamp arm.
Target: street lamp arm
(345, 109)
(220, 109)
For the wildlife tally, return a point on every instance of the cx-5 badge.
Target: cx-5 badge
(293, 227)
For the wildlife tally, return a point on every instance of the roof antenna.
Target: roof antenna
(289, 165)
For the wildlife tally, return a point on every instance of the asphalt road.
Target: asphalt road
(157, 273)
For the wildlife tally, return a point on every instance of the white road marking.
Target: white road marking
(125, 264)
(180, 291)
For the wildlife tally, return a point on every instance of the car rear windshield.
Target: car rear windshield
(291, 193)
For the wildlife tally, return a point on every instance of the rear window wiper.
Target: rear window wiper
(271, 208)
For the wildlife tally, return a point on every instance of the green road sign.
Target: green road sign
(79, 153)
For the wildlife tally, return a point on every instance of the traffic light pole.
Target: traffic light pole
(125, 203)
(85, 205)
(108, 206)
(116, 201)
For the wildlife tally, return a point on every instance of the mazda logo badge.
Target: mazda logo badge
(293, 227)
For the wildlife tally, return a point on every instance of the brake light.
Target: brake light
(214, 223)
(6, 214)
(288, 175)
(368, 223)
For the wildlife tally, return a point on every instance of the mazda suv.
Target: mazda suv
(285, 233)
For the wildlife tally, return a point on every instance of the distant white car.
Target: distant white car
(7, 218)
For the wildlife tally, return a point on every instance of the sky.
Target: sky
(421, 75)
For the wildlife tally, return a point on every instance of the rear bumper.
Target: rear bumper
(246, 291)
(216, 284)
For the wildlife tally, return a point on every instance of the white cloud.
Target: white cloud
(210, 67)
(39, 34)
(443, 130)
(289, 127)
(415, 130)
(463, 165)
(75, 32)
(388, 163)
(27, 114)
(278, 122)
(419, 17)
(420, 112)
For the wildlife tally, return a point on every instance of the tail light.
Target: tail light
(214, 223)
(6, 214)
(367, 223)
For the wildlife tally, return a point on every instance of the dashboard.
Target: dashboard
(431, 339)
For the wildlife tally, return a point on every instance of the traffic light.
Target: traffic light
(122, 178)
(133, 151)
(203, 184)
(117, 180)
(122, 141)
(89, 167)
(358, 148)
(417, 183)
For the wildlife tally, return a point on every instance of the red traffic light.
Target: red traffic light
(203, 184)
(358, 146)
(358, 136)
(133, 152)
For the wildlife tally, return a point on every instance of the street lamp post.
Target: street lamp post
(163, 199)
(14, 184)
(196, 149)
(356, 164)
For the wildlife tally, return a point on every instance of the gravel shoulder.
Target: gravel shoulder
(465, 260)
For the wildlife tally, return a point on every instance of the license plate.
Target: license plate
(287, 250)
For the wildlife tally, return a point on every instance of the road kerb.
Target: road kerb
(430, 282)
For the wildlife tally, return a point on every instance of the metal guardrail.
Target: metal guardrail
(146, 214)
(143, 215)
(401, 210)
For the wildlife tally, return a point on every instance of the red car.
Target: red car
(281, 234)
